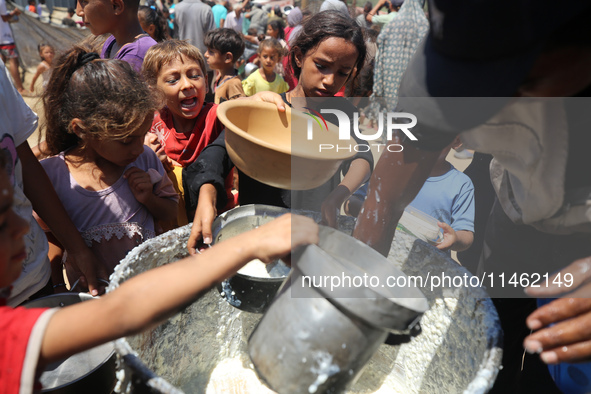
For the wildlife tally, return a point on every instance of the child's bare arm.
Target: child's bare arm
(153, 296)
(40, 69)
(359, 172)
(161, 208)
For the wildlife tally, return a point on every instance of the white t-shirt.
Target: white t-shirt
(18, 123)
(5, 30)
(232, 22)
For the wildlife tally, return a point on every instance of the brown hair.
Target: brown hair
(108, 96)
(165, 52)
(273, 44)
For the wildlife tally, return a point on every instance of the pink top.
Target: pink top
(111, 221)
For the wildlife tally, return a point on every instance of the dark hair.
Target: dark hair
(363, 85)
(276, 24)
(277, 11)
(225, 40)
(273, 44)
(367, 8)
(108, 96)
(71, 11)
(153, 17)
(324, 25)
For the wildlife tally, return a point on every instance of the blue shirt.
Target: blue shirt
(219, 13)
(448, 198)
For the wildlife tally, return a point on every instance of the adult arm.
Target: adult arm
(47, 205)
(395, 182)
(374, 10)
(8, 16)
(151, 297)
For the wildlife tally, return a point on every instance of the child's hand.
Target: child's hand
(151, 140)
(204, 217)
(278, 238)
(140, 184)
(449, 236)
(269, 97)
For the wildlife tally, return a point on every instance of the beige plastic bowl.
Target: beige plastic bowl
(267, 145)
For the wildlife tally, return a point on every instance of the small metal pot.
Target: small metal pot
(316, 340)
(91, 371)
(248, 293)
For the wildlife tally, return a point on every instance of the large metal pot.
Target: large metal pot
(354, 320)
(248, 293)
(91, 371)
(457, 351)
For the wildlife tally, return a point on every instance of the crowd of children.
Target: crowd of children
(136, 148)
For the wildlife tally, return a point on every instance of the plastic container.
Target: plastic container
(421, 225)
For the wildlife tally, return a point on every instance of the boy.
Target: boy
(119, 18)
(224, 48)
(33, 338)
(447, 195)
(187, 124)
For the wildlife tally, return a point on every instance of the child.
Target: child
(327, 53)
(275, 30)
(447, 195)
(186, 124)
(224, 48)
(153, 23)
(113, 187)
(32, 8)
(46, 52)
(119, 18)
(67, 20)
(33, 338)
(265, 78)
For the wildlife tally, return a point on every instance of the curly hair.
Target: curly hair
(108, 97)
(322, 26)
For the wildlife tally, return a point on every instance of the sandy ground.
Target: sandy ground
(34, 103)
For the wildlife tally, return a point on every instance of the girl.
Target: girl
(266, 78)
(329, 51)
(275, 30)
(153, 23)
(113, 188)
(46, 53)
